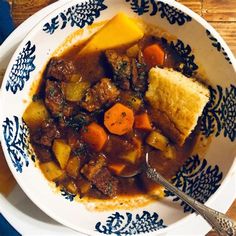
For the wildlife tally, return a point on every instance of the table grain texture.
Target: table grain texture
(221, 14)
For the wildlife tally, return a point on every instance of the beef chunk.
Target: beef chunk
(100, 94)
(117, 145)
(99, 175)
(68, 109)
(78, 147)
(106, 183)
(121, 68)
(47, 133)
(43, 154)
(55, 100)
(60, 69)
(139, 74)
(94, 166)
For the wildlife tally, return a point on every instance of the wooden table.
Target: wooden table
(220, 13)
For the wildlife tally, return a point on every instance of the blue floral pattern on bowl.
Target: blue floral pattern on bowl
(220, 113)
(21, 69)
(130, 224)
(198, 179)
(218, 46)
(173, 15)
(16, 136)
(78, 15)
(67, 195)
(143, 6)
(185, 52)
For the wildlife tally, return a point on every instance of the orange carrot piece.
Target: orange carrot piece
(119, 119)
(142, 121)
(154, 55)
(116, 168)
(95, 136)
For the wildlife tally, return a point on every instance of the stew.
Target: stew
(91, 123)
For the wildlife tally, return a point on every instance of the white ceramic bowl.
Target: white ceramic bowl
(201, 176)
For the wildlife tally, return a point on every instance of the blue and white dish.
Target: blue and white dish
(202, 175)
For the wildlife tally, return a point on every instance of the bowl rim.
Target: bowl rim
(29, 35)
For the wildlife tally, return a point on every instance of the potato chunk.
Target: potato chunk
(75, 91)
(72, 167)
(71, 187)
(120, 30)
(133, 155)
(62, 152)
(170, 152)
(51, 171)
(35, 114)
(157, 140)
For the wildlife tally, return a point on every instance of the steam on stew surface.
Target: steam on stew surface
(104, 104)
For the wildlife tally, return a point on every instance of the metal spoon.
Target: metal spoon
(219, 221)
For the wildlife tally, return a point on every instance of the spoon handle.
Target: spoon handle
(220, 222)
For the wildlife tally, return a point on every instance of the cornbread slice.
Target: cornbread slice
(177, 102)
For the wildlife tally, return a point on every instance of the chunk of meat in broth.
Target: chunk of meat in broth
(100, 94)
(55, 100)
(60, 69)
(43, 153)
(47, 133)
(106, 183)
(121, 68)
(139, 73)
(97, 172)
(91, 169)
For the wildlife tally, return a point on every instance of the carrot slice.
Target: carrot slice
(142, 121)
(154, 55)
(116, 168)
(95, 136)
(119, 119)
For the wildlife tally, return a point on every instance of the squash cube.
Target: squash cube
(72, 167)
(35, 114)
(157, 140)
(120, 30)
(51, 171)
(62, 152)
(170, 152)
(131, 156)
(71, 187)
(74, 91)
